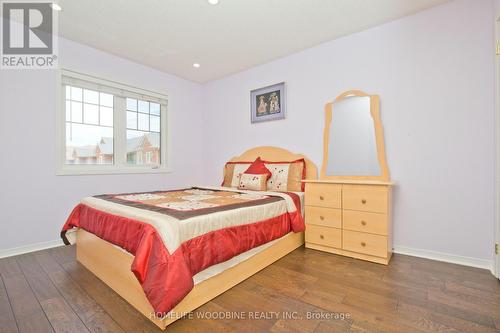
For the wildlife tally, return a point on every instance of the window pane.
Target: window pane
(68, 135)
(155, 124)
(89, 144)
(68, 111)
(76, 112)
(91, 96)
(91, 114)
(106, 116)
(143, 107)
(86, 141)
(132, 120)
(106, 100)
(76, 94)
(143, 148)
(131, 104)
(143, 122)
(154, 108)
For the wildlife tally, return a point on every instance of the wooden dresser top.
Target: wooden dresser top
(352, 181)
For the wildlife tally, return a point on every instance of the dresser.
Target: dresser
(350, 218)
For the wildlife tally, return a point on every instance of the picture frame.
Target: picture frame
(268, 103)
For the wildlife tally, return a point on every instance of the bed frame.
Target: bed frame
(112, 265)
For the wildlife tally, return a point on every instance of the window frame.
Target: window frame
(120, 165)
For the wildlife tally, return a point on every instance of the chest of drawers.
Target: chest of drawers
(349, 218)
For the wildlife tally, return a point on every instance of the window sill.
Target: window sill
(85, 170)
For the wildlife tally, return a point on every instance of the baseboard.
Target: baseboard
(409, 251)
(30, 248)
(446, 257)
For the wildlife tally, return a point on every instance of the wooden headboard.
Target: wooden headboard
(275, 154)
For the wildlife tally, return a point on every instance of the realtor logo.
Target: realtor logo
(28, 35)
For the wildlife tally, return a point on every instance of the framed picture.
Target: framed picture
(268, 103)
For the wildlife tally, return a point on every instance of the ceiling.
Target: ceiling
(234, 35)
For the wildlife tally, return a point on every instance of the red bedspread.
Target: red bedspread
(168, 277)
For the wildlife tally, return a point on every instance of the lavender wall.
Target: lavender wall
(34, 202)
(434, 72)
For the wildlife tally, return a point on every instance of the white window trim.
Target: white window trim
(120, 166)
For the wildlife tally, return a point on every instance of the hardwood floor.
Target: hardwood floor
(48, 291)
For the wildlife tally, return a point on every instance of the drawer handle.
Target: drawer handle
(363, 201)
(363, 222)
(321, 236)
(321, 197)
(363, 244)
(321, 218)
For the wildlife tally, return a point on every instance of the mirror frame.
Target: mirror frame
(379, 137)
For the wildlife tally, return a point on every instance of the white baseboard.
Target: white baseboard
(409, 251)
(446, 257)
(30, 248)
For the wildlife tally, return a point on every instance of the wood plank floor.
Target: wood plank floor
(48, 291)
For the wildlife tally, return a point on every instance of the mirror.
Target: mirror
(353, 146)
(352, 149)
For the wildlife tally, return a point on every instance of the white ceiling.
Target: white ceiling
(232, 36)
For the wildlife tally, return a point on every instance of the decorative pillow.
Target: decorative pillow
(286, 176)
(253, 182)
(259, 168)
(232, 173)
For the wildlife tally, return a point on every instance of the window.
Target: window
(143, 132)
(149, 157)
(89, 126)
(106, 127)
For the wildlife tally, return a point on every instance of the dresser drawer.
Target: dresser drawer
(365, 198)
(360, 242)
(326, 236)
(374, 223)
(329, 217)
(323, 195)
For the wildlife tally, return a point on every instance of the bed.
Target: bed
(134, 277)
